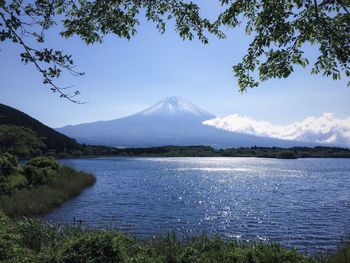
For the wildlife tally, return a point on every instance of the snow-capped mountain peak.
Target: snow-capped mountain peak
(171, 121)
(175, 106)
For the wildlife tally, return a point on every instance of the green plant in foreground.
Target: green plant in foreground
(90, 247)
(29, 240)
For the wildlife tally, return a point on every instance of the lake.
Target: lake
(302, 203)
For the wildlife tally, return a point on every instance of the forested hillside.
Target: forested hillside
(53, 140)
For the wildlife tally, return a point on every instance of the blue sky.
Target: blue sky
(123, 77)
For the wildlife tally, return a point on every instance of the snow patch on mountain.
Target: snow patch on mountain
(175, 106)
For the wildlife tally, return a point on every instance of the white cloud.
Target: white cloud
(325, 129)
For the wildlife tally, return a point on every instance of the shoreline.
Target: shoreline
(41, 199)
(42, 242)
(207, 151)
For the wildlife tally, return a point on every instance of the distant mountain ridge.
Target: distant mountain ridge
(171, 121)
(52, 139)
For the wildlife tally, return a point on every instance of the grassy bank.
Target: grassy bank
(37, 186)
(42, 198)
(29, 240)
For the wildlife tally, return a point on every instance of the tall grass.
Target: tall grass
(341, 255)
(43, 243)
(29, 240)
(66, 184)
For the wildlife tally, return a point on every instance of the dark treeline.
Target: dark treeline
(207, 151)
(24, 143)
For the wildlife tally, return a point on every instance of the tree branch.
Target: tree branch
(316, 11)
(47, 80)
(343, 6)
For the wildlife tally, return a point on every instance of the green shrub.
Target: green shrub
(40, 170)
(35, 234)
(40, 198)
(38, 176)
(12, 159)
(102, 247)
(10, 174)
(14, 181)
(44, 162)
(8, 164)
(10, 242)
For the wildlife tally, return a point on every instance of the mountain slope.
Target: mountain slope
(172, 121)
(52, 139)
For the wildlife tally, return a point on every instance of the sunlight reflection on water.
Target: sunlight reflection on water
(303, 203)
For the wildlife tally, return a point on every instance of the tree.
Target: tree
(20, 141)
(280, 29)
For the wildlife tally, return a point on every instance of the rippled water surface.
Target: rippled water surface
(303, 203)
